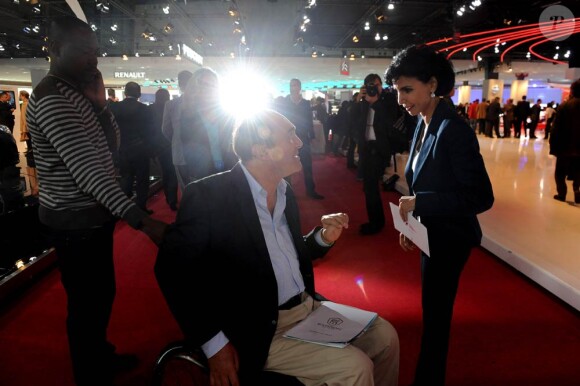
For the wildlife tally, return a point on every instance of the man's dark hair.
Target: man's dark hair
(111, 92)
(370, 78)
(182, 78)
(296, 80)
(252, 131)
(524, 98)
(132, 89)
(61, 28)
(161, 96)
(422, 62)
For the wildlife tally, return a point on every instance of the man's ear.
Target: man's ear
(54, 48)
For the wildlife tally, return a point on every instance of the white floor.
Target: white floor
(526, 227)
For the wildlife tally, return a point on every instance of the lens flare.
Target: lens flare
(245, 93)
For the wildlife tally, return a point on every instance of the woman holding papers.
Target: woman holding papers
(448, 187)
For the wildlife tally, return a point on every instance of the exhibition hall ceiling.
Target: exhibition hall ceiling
(248, 30)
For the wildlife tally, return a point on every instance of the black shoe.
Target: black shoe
(389, 183)
(370, 228)
(315, 195)
(559, 198)
(124, 362)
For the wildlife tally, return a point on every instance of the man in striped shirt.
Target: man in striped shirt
(74, 136)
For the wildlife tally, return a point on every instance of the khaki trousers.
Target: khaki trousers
(372, 359)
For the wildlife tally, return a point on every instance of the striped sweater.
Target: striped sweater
(78, 189)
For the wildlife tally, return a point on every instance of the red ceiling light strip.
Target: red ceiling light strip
(542, 41)
(447, 39)
(534, 35)
(531, 48)
(530, 31)
(493, 40)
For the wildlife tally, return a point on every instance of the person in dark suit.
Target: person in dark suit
(237, 272)
(378, 112)
(535, 118)
(6, 111)
(136, 126)
(299, 112)
(565, 145)
(522, 114)
(448, 187)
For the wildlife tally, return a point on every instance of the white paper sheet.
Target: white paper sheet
(332, 324)
(413, 229)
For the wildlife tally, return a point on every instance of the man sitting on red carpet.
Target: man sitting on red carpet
(237, 273)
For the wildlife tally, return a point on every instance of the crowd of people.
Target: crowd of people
(521, 118)
(237, 230)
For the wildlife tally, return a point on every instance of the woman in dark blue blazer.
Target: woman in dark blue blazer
(448, 187)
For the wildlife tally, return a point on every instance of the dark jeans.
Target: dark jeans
(169, 177)
(135, 168)
(492, 126)
(518, 127)
(532, 126)
(306, 160)
(373, 169)
(85, 260)
(440, 279)
(568, 167)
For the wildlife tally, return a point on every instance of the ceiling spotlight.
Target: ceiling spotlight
(391, 6)
(355, 39)
(377, 36)
(2, 47)
(243, 39)
(385, 37)
(36, 8)
(103, 5)
(237, 21)
(352, 56)
(232, 11)
(146, 34)
(136, 54)
(104, 54)
(381, 18)
(344, 53)
(362, 54)
(177, 57)
(311, 4)
(152, 38)
(232, 55)
(459, 13)
(166, 10)
(36, 29)
(93, 27)
(27, 29)
(168, 28)
(125, 57)
(162, 54)
(567, 54)
(114, 27)
(367, 26)
(17, 46)
(170, 47)
(314, 54)
(112, 41)
(237, 31)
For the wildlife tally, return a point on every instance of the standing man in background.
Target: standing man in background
(73, 135)
(6, 111)
(298, 111)
(378, 112)
(136, 125)
(171, 126)
(522, 113)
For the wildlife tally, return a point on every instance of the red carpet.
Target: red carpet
(507, 331)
